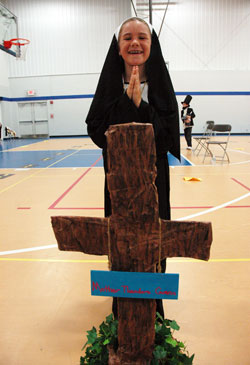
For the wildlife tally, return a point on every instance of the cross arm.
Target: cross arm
(83, 234)
(186, 239)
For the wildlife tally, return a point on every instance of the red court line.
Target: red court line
(53, 206)
(238, 182)
(74, 208)
(73, 185)
(24, 208)
(201, 207)
(197, 207)
(238, 206)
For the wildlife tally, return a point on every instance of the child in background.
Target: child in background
(187, 116)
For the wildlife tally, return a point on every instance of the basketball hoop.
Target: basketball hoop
(22, 45)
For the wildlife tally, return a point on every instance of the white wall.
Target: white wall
(228, 109)
(68, 114)
(206, 43)
(69, 40)
(205, 34)
(4, 73)
(66, 36)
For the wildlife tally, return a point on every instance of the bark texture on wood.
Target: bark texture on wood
(88, 235)
(134, 246)
(136, 333)
(132, 172)
(186, 239)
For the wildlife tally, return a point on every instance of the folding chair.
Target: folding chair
(205, 137)
(218, 129)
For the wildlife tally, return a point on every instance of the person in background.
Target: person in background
(135, 86)
(187, 116)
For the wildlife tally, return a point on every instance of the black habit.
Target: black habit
(111, 105)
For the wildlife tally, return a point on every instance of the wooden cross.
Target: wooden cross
(134, 237)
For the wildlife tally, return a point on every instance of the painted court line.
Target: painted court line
(36, 173)
(239, 151)
(53, 206)
(185, 158)
(180, 207)
(208, 207)
(240, 183)
(224, 205)
(214, 208)
(209, 210)
(30, 249)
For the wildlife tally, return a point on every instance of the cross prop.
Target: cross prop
(134, 237)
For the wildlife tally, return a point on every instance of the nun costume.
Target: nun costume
(111, 105)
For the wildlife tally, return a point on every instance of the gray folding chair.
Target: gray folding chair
(204, 137)
(218, 130)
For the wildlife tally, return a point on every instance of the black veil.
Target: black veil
(161, 98)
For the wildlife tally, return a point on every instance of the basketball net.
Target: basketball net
(22, 46)
(21, 52)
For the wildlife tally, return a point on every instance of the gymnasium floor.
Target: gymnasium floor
(46, 307)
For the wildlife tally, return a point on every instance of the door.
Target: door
(33, 119)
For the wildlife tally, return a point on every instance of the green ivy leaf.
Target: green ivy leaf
(174, 326)
(84, 346)
(157, 327)
(110, 318)
(167, 349)
(165, 331)
(113, 328)
(181, 345)
(92, 335)
(171, 341)
(160, 352)
(106, 342)
(159, 317)
(166, 322)
(189, 360)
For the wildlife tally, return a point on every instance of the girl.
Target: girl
(135, 86)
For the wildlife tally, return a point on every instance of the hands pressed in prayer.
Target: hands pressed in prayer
(134, 87)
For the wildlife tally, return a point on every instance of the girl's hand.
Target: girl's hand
(137, 87)
(134, 87)
(130, 88)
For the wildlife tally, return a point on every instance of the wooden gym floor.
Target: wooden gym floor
(46, 307)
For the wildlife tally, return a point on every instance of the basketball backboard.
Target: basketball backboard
(8, 30)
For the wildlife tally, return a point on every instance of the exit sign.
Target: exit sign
(31, 92)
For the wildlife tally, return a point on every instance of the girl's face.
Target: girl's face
(134, 43)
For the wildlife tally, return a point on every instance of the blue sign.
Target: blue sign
(134, 285)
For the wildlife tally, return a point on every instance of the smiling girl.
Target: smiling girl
(135, 86)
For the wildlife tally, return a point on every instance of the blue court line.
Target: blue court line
(173, 161)
(90, 96)
(45, 158)
(54, 97)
